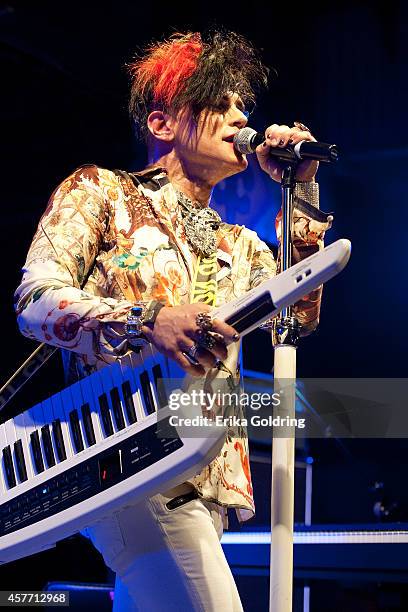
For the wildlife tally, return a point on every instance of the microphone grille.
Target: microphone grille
(243, 140)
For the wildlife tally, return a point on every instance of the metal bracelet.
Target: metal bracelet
(133, 326)
(309, 192)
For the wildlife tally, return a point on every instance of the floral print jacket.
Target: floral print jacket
(107, 239)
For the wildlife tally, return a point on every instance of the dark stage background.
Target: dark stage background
(341, 70)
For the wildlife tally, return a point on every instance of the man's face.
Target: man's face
(207, 148)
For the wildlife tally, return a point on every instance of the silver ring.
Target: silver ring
(191, 353)
(204, 321)
(205, 339)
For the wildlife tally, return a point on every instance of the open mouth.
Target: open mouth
(229, 138)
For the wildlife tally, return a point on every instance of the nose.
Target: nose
(238, 117)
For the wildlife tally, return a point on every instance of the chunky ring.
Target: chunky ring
(204, 321)
(191, 354)
(205, 339)
(301, 126)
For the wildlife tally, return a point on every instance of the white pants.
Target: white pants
(167, 559)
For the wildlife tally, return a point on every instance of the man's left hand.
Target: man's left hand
(280, 136)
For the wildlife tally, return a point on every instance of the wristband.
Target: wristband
(151, 311)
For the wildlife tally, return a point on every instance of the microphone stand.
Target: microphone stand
(286, 335)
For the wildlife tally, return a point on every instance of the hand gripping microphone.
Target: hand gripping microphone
(246, 140)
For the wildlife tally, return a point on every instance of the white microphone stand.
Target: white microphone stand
(286, 335)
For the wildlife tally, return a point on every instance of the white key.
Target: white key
(147, 357)
(34, 419)
(148, 361)
(78, 401)
(3, 443)
(138, 362)
(160, 359)
(19, 423)
(129, 374)
(158, 364)
(10, 432)
(115, 372)
(59, 413)
(68, 405)
(89, 398)
(107, 384)
(48, 416)
(11, 438)
(98, 390)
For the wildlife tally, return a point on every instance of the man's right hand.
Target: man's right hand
(175, 331)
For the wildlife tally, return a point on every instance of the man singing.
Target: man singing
(111, 239)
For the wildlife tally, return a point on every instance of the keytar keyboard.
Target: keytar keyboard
(105, 442)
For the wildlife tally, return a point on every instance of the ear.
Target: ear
(160, 125)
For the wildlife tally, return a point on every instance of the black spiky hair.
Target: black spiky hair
(195, 71)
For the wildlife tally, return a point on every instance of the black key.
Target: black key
(76, 431)
(47, 444)
(159, 384)
(147, 392)
(88, 425)
(20, 461)
(36, 446)
(128, 399)
(117, 408)
(8, 464)
(59, 440)
(106, 417)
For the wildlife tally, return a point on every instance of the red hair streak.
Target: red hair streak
(168, 66)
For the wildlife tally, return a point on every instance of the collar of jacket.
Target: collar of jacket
(152, 177)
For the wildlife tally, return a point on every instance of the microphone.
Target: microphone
(246, 140)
